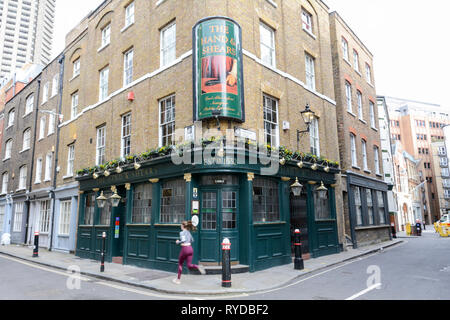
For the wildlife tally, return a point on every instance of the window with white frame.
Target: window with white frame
(310, 72)
(168, 44)
(267, 39)
(51, 123)
(314, 137)
(307, 21)
(26, 139)
(128, 67)
(42, 124)
(370, 212)
(376, 156)
(373, 123)
(106, 35)
(103, 86)
(44, 216)
(48, 167)
(74, 108)
(129, 14)
(29, 105)
(360, 104)
(356, 60)
(445, 172)
(70, 160)
(167, 121)
(18, 214)
(38, 171)
(270, 109)
(345, 49)
(348, 95)
(126, 136)
(8, 149)
(364, 154)
(11, 116)
(55, 86)
(22, 177)
(76, 68)
(353, 150)
(45, 92)
(100, 150)
(368, 74)
(5, 180)
(64, 217)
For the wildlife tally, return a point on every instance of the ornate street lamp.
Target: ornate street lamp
(322, 191)
(307, 116)
(101, 200)
(115, 199)
(296, 188)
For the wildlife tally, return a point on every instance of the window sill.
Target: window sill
(372, 227)
(24, 150)
(370, 84)
(167, 225)
(348, 62)
(47, 180)
(367, 171)
(6, 159)
(363, 121)
(9, 127)
(21, 189)
(351, 113)
(356, 167)
(27, 114)
(63, 236)
(37, 182)
(268, 223)
(160, 2)
(68, 177)
(379, 175)
(373, 128)
(126, 27)
(309, 33)
(74, 77)
(272, 3)
(359, 73)
(103, 47)
(50, 134)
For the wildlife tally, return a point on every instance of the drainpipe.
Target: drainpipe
(32, 156)
(55, 169)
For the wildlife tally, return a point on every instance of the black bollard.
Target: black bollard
(102, 266)
(394, 232)
(298, 261)
(226, 263)
(36, 245)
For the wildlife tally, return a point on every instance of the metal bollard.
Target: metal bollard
(394, 232)
(36, 245)
(102, 266)
(226, 263)
(298, 260)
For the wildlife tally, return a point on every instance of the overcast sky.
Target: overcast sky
(410, 42)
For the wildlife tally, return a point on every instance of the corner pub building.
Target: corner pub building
(158, 68)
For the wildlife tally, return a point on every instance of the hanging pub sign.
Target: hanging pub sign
(218, 71)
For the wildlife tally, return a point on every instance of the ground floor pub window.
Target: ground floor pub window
(89, 209)
(142, 204)
(228, 209)
(370, 206)
(209, 210)
(358, 205)
(265, 200)
(380, 201)
(173, 204)
(321, 207)
(105, 212)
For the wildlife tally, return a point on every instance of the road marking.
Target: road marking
(65, 274)
(363, 292)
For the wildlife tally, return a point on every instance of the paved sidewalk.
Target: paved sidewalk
(190, 284)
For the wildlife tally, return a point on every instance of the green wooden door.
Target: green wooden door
(218, 220)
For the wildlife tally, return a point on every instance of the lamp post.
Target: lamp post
(307, 116)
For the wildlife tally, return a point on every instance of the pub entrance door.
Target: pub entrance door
(219, 212)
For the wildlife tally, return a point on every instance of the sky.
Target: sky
(410, 42)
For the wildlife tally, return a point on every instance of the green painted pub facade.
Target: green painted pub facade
(257, 213)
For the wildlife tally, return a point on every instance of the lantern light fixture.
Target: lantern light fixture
(322, 191)
(101, 200)
(296, 188)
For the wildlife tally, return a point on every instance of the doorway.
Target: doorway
(299, 220)
(219, 213)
